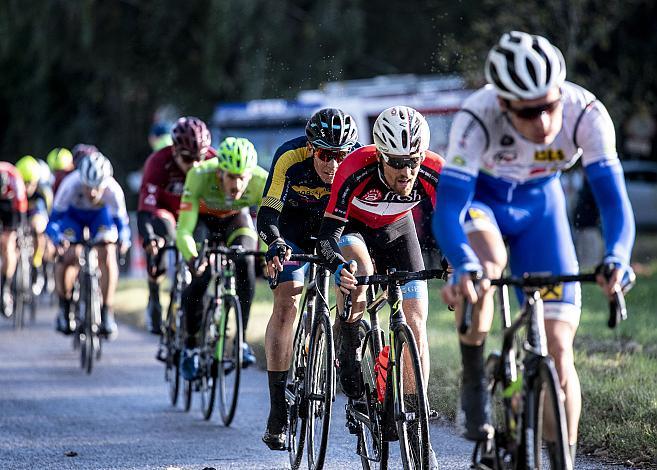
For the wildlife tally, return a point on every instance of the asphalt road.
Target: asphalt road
(55, 416)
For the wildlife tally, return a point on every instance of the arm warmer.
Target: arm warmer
(453, 195)
(268, 224)
(608, 186)
(327, 242)
(145, 226)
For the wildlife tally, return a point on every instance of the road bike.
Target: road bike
(394, 404)
(526, 397)
(310, 387)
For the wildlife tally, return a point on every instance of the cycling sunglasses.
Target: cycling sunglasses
(398, 163)
(326, 155)
(189, 157)
(534, 112)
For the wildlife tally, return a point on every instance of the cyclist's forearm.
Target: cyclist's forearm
(268, 224)
(145, 225)
(327, 242)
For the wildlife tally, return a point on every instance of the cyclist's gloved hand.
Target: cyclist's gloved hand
(277, 253)
(460, 283)
(613, 273)
(344, 276)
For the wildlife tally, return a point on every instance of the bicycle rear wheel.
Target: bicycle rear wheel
(319, 388)
(229, 350)
(294, 395)
(208, 362)
(411, 410)
(373, 450)
(546, 421)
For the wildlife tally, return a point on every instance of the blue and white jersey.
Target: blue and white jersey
(482, 138)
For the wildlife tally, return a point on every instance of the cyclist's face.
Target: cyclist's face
(184, 163)
(93, 194)
(31, 187)
(537, 120)
(326, 162)
(403, 179)
(234, 185)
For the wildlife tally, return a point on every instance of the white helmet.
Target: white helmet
(95, 169)
(524, 66)
(401, 130)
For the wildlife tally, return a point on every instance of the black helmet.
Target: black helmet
(332, 128)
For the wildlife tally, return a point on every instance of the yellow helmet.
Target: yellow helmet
(29, 169)
(59, 159)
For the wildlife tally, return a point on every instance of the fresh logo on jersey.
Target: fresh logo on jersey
(549, 155)
(372, 195)
(317, 193)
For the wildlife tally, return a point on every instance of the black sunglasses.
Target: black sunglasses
(534, 112)
(189, 157)
(401, 162)
(326, 155)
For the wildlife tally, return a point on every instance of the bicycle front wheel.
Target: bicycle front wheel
(172, 342)
(546, 422)
(208, 362)
(229, 351)
(294, 395)
(319, 388)
(411, 409)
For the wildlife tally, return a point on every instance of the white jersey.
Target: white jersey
(482, 138)
(70, 195)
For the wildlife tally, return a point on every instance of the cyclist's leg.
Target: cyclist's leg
(241, 231)
(486, 240)
(38, 219)
(164, 226)
(354, 248)
(278, 348)
(104, 234)
(562, 305)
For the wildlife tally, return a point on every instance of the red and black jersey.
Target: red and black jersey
(162, 182)
(360, 192)
(14, 191)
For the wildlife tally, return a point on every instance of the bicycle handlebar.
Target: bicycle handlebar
(303, 257)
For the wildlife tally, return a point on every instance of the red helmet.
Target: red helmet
(191, 138)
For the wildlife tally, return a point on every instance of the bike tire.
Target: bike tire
(88, 325)
(372, 448)
(229, 363)
(412, 419)
(294, 395)
(319, 385)
(208, 362)
(188, 388)
(544, 403)
(20, 284)
(172, 364)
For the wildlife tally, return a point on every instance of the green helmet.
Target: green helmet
(29, 169)
(237, 155)
(59, 159)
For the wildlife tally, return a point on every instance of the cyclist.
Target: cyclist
(373, 193)
(215, 204)
(60, 161)
(13, 205)
(294, 200)
(501, 183)
(159, 198)
(39, 199)
(89, 197)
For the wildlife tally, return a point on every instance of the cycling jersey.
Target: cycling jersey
(294, 192)
(13, 200)
(360, 192)
(72, 211)
(495, 178)
(203, 194)
(40, 202)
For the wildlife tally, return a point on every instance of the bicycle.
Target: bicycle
(523, 381)
(173, 328)
(220, 356)
(310, 387)
(86, 304)
(387, 413)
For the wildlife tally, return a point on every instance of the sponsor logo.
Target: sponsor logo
(150, 200)
(507, 140)
(458, 160)
(185, 206)
(549, 155)
(475, 213)
(372, 195)
(552, 293)
(317, 193)
(151, 188)
(505, 156)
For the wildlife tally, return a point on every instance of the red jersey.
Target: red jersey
(162, 182)
(59, 177)
(15, 190)
(359, 190)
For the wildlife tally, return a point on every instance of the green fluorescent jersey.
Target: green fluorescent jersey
(203, 194)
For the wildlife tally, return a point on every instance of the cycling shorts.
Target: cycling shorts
(392, 246)
(99, 221)
(538, 235)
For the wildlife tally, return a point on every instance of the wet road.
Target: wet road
(55, 416)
